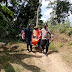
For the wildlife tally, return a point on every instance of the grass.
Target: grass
(70, 43)
(17, 68)
(61, 45)
(14, 58)
(68, 58)
(53, 47)
(64, 47)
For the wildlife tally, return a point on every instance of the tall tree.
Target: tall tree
(61, 10)
(25, 12)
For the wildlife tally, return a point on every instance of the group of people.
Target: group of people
(41, 34)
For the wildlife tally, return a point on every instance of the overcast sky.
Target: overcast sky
(46, 12)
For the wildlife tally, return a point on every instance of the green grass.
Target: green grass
(70, 43)
(53, 47)
(61, 45)
(4, 61)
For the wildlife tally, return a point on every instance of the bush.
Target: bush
(69, 31)
(53, 47)
(62, 28)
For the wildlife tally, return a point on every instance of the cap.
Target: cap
(29, 25)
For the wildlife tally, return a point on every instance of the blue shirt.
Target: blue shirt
(28, 33)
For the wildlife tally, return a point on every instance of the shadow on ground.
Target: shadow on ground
(50, 52)
(38, 49)
(7, 57)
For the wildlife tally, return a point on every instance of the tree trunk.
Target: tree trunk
(38, 13)
(6, 3)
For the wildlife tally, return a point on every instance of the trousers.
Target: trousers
(45, 42)
(29, 42)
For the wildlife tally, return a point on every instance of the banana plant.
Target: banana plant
(6, 10)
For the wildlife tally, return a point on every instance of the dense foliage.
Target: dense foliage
(4, 18)
(16, 14)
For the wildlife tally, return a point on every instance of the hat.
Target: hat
(29, 25)
(44, 25)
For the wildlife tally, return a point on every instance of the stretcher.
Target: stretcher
(35, 41)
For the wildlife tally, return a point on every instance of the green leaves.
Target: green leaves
(5, 13)
(24, 12)
(4, 8)
(3, 16)
(61, 10)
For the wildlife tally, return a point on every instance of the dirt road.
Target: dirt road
(20, 60)
(52, 63)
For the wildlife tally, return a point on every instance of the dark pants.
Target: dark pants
(39, 43)
(29, 42)
(23, 40)
(45, 43)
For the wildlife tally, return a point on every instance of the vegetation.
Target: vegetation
(62, 40)
(62, 28)
(16, 16)
(13, 18)
(61, 10)
(14, 59)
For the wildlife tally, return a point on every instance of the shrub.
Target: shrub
(69, 31)
(62, 28)
(53, 47)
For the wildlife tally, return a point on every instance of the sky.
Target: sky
(46, 12)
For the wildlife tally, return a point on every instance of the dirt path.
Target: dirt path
(52, 63)
(23, 61)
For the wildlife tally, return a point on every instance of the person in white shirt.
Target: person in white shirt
(45, 38)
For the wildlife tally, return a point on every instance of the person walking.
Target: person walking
(28, 37)
(22, 34)
(45, 39)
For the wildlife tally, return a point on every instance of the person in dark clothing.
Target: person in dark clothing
(28, 37)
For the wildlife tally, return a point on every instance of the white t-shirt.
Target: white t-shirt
(45, 33)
